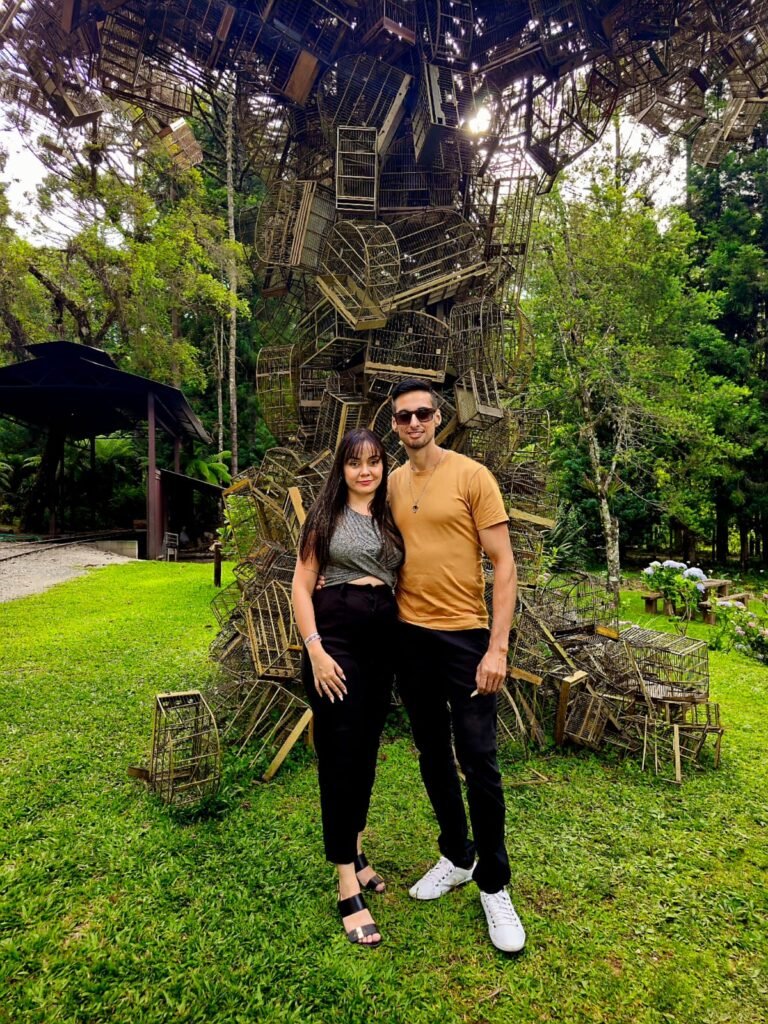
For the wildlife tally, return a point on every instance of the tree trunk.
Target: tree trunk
(743, 544)
(43, 497)
(610, 525)
(232, 274)
(722, 524)
(218, 356)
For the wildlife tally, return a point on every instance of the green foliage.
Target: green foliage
(211, 468)
(644, 903)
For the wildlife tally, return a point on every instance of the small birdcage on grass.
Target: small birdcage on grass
(477, 400)
(586, 719)
(579, 604)
(360, 272)
(357, 170)
(673, 667)
(293, 224)
(185, 763)
(363, 92)
(413, 344)
(277, 371)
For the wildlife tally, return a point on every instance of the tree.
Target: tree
(614, 310)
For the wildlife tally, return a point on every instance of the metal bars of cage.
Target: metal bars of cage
(360, 272)
(185, 760)
(447, 29)
(357, 170)
(674, 668)
(387, 27)
(413, 344)
(293, 223)
(441, 256)
(364, 92)
(276, 377)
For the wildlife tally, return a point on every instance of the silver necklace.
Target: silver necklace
(417, 501)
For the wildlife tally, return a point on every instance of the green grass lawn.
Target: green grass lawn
(643, 902)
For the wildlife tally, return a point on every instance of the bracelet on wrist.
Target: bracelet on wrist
(312, 637)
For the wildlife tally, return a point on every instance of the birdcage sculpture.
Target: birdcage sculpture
(477, 399)
(319, 27)
(225, 602)
(311, 151)
(437, 110)
(566, 30)
(447, 29)
(364, 92)
(338, 414)
(381, 426)
(277, 718)
(413, 344)
(528, 545)
(675, 106)
(440, 256)
(402, 184)
(293, 224)
(242, 520)
(586, 719)
(674, 668)
(271, 630)
(266, 135)
(185, 763)
(276, 378)
(579, 604)
(360, 272)
(387, 27)
(479, 333)
(357, 170)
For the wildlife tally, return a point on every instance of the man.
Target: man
(449, 509)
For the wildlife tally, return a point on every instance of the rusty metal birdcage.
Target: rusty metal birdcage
(480, 337)
(360, 272)
(365, 93)
(293, 224)
(674, 668)
(357, 170)
(277, 372)
(566, 30)
(388, 27)
(185, 763)
(440, 255)
(337, 415)
(413, 344)
(274, 639)
(477, 399)
(447, 29)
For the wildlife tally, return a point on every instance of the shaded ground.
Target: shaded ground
(35, 569)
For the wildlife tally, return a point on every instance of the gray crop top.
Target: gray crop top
(355, 551)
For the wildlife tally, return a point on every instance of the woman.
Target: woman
(348, 630)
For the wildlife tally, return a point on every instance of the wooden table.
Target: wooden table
(720, 588)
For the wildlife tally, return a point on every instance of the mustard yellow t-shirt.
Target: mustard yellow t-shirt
(441, 582)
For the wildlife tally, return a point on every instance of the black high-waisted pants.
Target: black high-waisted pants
(436, 677)
(357, 624)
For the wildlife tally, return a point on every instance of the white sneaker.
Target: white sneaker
(440, 879)
(504, 926)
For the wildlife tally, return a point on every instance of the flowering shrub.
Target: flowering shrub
(742, 629)
(678, 582)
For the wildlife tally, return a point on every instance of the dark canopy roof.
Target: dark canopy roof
(80, 390)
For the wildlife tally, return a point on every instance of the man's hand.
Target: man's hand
(491, 672)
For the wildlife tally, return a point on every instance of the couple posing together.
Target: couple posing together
(403, 593)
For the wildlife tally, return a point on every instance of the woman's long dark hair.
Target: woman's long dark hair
(332, 499)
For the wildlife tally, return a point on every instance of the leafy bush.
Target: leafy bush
(678, 582)
(742, 629)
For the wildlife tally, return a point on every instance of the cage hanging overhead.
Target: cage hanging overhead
(357, 170)
(447, 29)
(362, 92)
(276, 377)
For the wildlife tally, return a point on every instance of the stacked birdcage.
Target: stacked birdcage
(360, 272)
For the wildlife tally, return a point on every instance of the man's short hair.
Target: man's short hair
(414, 384)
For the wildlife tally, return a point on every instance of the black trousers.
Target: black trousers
(357, 624)
(435, 677)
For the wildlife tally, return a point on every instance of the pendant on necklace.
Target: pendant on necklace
(414, 508)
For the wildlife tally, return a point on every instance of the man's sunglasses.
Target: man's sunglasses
(423, 415)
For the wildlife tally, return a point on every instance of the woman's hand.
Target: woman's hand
(329, 675)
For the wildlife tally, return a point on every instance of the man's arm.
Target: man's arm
(492, 670)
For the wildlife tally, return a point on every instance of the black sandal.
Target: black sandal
(361, 862)
(356, 935)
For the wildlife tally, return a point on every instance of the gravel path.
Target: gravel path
(41, 569)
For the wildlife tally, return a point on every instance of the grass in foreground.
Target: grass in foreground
(643, 902)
